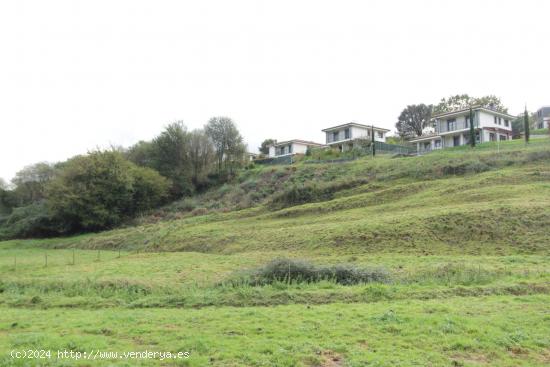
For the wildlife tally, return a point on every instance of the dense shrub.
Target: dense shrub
(29, 221)
(101, 189)
(300, 271)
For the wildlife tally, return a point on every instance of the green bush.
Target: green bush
(301, 271)
(101, 189)
(32, 220)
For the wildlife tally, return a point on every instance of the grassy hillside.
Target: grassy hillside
(454, 201)
(457, 241)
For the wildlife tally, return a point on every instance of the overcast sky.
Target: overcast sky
(75, 75)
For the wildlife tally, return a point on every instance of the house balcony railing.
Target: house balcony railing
(340, 137)
(445, 127)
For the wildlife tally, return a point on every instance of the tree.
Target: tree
(472, 129)
(170, 157)
(413, 119)
(201, 155)
(464, 101)
(373, 143)
(228, 142)
(30, 182)
(149, 189)
(518, 124)
(141, 153)
(491, 102)
(236, 155)
(100, 189)
(264, 147)
(526, 125)
(3, 184)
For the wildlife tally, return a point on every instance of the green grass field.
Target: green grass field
(463, 236)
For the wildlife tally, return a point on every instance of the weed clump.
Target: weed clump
(300, 271)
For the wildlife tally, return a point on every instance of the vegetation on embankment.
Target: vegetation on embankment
(455, 201)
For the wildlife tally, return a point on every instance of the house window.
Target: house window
(346, 134)
(492, 137)
(451, 124)
(290, 148)
(499, 121)
(503, 137)
(506, 123)
(335, 136)
(496, 120)
(380, 134)
(437, 143)
(456, 141)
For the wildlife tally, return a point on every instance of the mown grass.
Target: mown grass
(492, 331)
(189, 280)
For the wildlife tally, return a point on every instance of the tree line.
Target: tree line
(102, 188)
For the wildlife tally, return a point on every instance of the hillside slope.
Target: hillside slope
(482, 201)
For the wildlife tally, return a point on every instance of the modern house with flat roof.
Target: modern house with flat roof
(291, 147)
(543, 114)
(344, 137)
(452, 129)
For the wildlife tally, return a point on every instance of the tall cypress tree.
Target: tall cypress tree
(372, 141)
(472, 130)
(526, 125)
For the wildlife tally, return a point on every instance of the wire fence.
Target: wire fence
(23, 259)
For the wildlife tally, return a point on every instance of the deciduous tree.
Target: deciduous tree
(464, 101)
(264, 147)
(413, 119)
(228, 142)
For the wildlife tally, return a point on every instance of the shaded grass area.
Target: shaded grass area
(490, 331)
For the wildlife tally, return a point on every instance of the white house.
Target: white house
(452, 129)
(291, 147)
(343, 137)
(543, 115)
